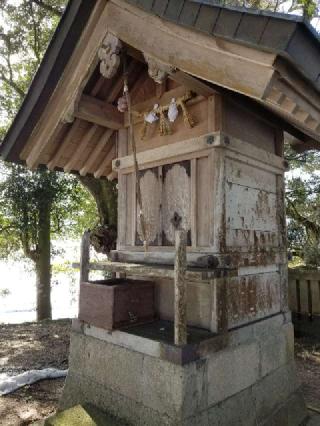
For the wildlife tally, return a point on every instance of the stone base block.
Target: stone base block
(252, 381)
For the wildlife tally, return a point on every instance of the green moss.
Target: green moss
(82, 416)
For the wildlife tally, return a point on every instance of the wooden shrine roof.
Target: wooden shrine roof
(291, 35)
(278, 55)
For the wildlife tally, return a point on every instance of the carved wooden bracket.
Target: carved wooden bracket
(109, 54)
(158, 70)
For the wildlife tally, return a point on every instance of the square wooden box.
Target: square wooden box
(115, 303)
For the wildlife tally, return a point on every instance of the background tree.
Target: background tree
(38, 205)
(27, 26)
(303, 204)
(34, 207)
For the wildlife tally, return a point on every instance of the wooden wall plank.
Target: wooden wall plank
(203, 208)
(194, 202)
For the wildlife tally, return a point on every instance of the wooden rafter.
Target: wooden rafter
(106, 163)
(58, 154)
(96, 152)
(77, 70)
(76, 157)
(99, 112)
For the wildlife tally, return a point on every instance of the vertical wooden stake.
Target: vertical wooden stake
(180, 293)
(85, 257)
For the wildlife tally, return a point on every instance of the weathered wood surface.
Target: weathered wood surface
(150, 195)
(158, 271)
(96, 152)
(85, 257)
(78, 155)
(164, 153)
(251, 207)
(248, 70)
(99, 112)
(253, 296)
(180, 291)
(176, 201)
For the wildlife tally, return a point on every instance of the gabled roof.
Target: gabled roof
(292, 92)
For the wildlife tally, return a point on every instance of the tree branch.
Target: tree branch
(47, 7)
(13, 85)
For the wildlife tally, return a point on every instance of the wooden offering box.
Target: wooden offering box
(114, 303)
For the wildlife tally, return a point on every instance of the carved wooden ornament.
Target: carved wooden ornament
(158, 70)
(109, 54)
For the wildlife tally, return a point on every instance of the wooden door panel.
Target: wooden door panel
(150, 194)
(176, 201)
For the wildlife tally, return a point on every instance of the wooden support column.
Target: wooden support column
(180, 291)
(85, 257)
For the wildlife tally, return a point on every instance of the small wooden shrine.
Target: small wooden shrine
(186, 104)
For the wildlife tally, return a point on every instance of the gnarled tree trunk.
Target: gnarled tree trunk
(103, 237)
(105, 194)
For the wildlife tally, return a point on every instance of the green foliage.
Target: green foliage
(24, 194)
(26, 27)
(311, 255)
(303, 204)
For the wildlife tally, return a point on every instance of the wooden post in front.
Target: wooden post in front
(85, 257)
(180, 292)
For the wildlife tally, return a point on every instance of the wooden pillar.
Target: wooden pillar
(85, 257)
(180, 291)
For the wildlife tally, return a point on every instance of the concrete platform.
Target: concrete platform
(314, 419)
(250, 382)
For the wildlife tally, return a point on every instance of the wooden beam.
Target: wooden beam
(246, 70)
(96, 152)
(99, 112)
(57, 156)
(107, 161)
(192, 83)
(161, 153)
(300, 147)
(158, 271)
(180, 290)
(98, 85)
(76, 157)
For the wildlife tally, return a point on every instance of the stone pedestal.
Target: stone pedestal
(250, 381)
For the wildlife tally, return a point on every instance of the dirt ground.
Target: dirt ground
(32, 346)
(39, 345)
(307, 352)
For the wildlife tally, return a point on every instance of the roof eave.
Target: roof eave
(47, 77)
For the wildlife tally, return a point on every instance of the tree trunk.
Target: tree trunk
(43, 264)
(105, 194)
